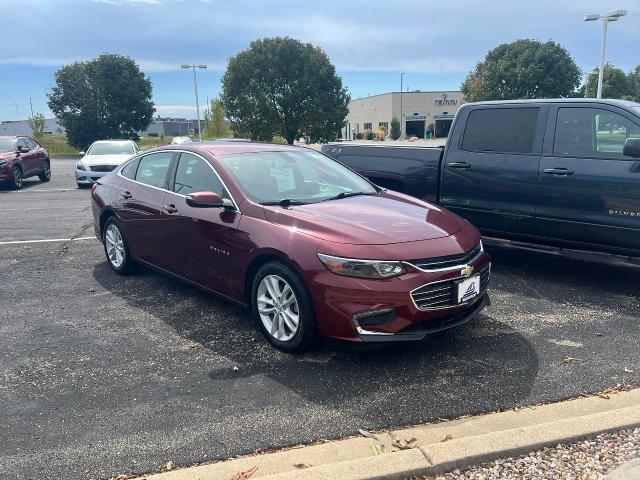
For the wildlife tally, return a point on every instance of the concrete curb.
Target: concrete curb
(437, 448)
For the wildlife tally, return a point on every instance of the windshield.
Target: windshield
(293, 176)
(111, 148)
(6, 145)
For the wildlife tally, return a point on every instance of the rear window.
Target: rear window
(504, 130)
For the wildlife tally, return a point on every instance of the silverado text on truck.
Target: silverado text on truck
(556, 172)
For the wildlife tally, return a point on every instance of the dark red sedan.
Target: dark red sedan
(310, 246)
(23, 157)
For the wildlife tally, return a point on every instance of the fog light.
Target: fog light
(374, 318)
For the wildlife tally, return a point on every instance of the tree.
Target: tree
(523, 69)
(395, 128)
(107, 97)
(615, 83)
(281, 86)
(216, 126)
(37, 124)
(634, 84)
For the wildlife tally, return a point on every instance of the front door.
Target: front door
(203, 244)
(589, 191)
(490, 170)
(28, 160)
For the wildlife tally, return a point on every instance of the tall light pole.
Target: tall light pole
(612, 16)
(401, 117)
(195, 85)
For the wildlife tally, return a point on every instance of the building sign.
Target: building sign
(445, 101)
(443, 117)
(409, 118)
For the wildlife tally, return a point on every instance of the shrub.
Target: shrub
(359, 136)
(395, 128)
(368, 135)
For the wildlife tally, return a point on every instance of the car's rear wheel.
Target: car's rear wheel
(16, 178)
(282, 308)
(116, 248)
(45, 176)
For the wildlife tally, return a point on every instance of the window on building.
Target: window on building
(505, 130)
(592, 132)
(367, 126)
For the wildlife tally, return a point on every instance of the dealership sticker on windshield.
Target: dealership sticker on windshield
(469, 288)
(285, 178)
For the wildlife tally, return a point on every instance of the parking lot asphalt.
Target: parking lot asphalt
(103, 375)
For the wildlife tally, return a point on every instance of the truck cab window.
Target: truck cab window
(501, 130)
(592, 132)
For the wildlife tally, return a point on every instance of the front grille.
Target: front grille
(444, 294)
(436, 263)
(102, 168)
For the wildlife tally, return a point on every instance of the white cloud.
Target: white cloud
(129, 2)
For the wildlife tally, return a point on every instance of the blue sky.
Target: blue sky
(370, 42)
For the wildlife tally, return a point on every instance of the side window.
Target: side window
(592, 132)
(153, 169)
(30, 143)
(502, 130)
(22, 143)
(195, 175)
(129, 170)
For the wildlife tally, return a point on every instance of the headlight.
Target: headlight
(80, 165)
(3, 163)
(350, 267)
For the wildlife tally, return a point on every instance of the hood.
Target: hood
(105, 159)
(369, 220)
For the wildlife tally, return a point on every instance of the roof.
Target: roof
(224, 147)
(607, 101)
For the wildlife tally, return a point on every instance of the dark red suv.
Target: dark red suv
(310, 246)
(22, 157)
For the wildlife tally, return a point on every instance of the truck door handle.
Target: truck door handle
(126, 194)
(170, 208)
(459, 165)
(558, 171)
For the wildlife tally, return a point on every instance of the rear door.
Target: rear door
(490, 166)
(589, 191)
(141, 195)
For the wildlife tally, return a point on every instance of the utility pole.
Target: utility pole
(195, 85)
(31, 105)
(401, 116)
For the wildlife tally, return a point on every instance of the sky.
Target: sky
(370, 43)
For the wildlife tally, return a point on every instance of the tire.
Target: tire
(83, 186)
(116, 248)
(45, 176)
(276, 277)
(16, 178)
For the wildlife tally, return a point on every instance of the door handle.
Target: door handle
(126, 194)
(459, 165)
(170, 208)
(558, 171)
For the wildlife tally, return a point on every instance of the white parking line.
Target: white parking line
(35, 190)
(47, 240)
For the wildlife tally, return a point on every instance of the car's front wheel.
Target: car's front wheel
(16, 178)
(116, 248)
(282, 308)
(45, 175)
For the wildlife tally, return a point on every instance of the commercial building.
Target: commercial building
(419, 110)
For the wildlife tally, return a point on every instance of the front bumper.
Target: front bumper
(88, 177)
(361, 310)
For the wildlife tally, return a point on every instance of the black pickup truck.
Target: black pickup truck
(556, 172)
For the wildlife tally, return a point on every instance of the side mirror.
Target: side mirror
(23, 150)
(81, 153)
(208, 200)
(632, 147)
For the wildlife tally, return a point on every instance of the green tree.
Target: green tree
(633, 80)
(615, 83)
(107, 97)
(395, 128)
(281, 86)
(216, 127)
(523, 69)
(37, 124)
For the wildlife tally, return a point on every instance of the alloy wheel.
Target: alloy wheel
(278, 308)
(47, 170)
(17, 177)
(115, 246)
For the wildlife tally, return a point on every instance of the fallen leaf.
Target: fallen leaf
(603, 395)
(375, 448)
(598, 334)
(191, 345)
(302, 465)
(246, 474)
(570, 360)
(26, 247)
(440, 419)
(447, 437)
(628, 370)
(236, 369)
(168, 466)
(364, 433)
(121, 477)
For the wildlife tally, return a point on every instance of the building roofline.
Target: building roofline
(391, 93)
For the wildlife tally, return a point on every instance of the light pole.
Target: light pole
(195, 85)
(401, 117)
(612, 16)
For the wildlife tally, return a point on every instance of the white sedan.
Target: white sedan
(180, 140)
(101, 158)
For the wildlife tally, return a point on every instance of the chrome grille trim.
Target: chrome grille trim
(452, 262)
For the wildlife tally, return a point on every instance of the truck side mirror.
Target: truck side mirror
(631, 147)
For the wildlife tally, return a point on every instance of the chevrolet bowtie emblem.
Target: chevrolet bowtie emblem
(467, 271)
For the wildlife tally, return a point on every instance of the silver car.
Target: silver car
(101, 158)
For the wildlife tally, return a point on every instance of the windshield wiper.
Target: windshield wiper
(285, 202)
(349, 194)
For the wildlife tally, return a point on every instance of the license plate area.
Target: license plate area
(468, 289)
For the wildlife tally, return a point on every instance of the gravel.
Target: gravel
(585, 460)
